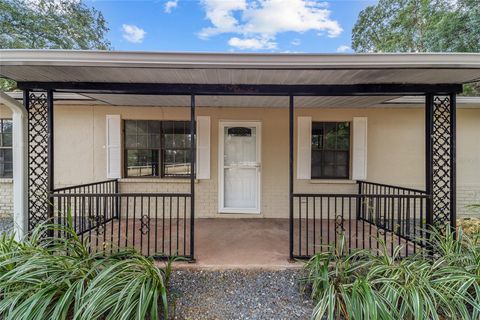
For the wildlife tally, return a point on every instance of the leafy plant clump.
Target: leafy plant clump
(57, 278)
(364, 285)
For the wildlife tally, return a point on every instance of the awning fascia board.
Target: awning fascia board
(243, 89)
(238, 60)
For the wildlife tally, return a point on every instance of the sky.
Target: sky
(290, 26)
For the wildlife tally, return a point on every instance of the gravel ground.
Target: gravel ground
(5, 224)
(238, 294)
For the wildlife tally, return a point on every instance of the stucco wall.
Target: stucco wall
(395, 151)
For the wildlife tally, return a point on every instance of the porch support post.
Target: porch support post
(429, 158)
(453, 161)
(39, 144)
(50, 154)
(192, 175)
(291, 117)
(441, 161)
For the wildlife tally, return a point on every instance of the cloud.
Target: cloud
(170, 5)
(132, 33)
(252, 43)
(343, 49)
(296, 42)
(264, 19)
(221, 15)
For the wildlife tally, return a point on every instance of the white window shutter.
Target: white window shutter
(359, 163)
(113, 145)
(304, 148)
(203, 147)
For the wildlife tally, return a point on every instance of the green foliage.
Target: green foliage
(420, 26)
(57, 278)
(363, 285)
(50, 24)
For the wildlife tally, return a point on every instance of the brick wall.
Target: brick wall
(6, 198)
(467, 195)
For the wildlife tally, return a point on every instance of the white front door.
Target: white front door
(239, 163)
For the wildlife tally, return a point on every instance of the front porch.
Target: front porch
(166, 224)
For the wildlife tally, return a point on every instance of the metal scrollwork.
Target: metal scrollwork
(37, 159)
(339, 225)
(442, 160)
(100, 225)
(144, 224)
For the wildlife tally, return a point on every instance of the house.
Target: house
(370, 145)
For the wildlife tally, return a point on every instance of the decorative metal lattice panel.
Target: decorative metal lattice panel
(37, 159)
(442, 160)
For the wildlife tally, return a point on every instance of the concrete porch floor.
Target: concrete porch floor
(242, 243)
(227, 243)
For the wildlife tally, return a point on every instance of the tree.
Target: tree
(50, 24)
(420, 26)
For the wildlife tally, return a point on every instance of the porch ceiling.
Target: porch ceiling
(253, 69)
(240, 101)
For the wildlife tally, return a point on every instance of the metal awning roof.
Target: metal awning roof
(141, 69)
(234, 68)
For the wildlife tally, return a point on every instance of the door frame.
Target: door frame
(221, 165)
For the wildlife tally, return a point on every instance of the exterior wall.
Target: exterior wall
(468, 160)
(395, 151)
(6, 198)
(6, 185)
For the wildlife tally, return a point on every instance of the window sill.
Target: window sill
(6, 180)
(332, 181)
(156, 180)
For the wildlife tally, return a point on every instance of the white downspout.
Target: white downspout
(20, 165)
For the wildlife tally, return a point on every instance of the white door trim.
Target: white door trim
(221, 163)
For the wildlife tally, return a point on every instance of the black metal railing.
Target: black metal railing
(380, 217)
(106, 186)
(406, 218)
(156, 224)
(95, 213)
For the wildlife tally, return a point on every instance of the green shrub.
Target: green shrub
(364, 285)
(51, 278)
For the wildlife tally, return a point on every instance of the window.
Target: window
(330, 150)
(6, 161)
(157, 148)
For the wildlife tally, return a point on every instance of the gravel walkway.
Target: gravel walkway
(238, 294)
(5, 224)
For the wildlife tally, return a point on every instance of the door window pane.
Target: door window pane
(240, 149)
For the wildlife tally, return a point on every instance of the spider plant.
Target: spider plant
(363, 285)
(337, 280)
(57, 278)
